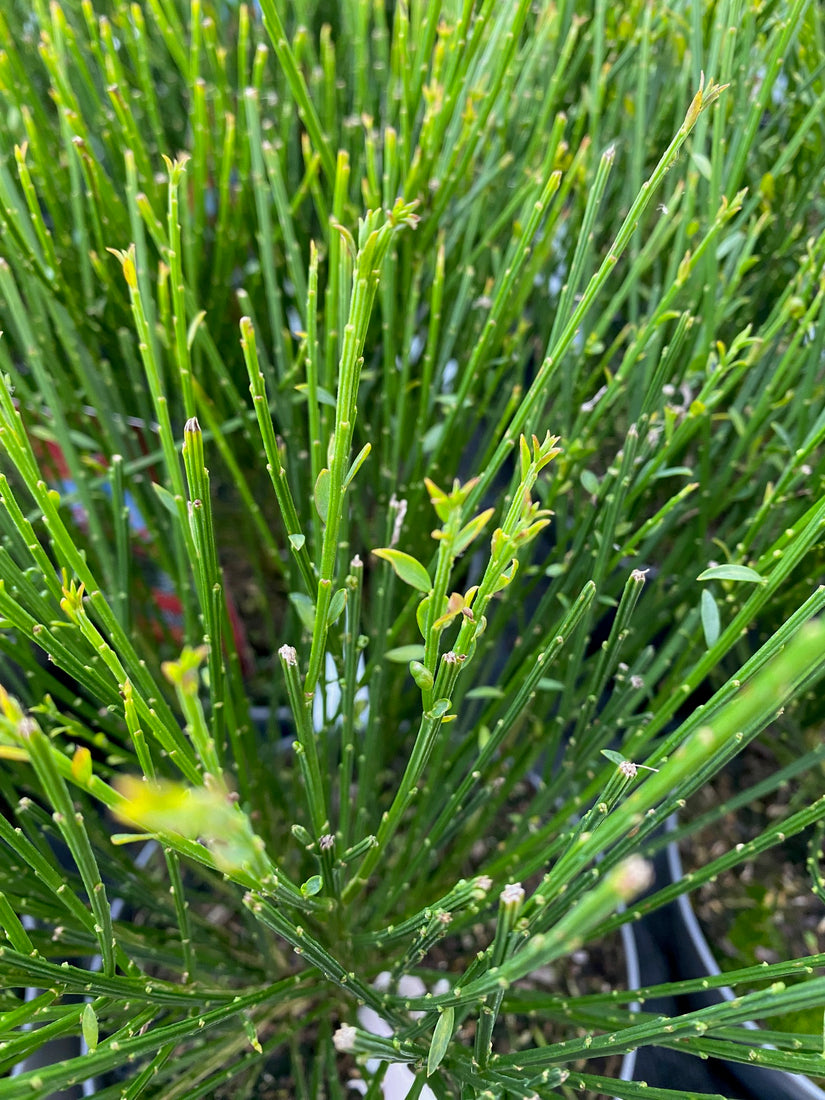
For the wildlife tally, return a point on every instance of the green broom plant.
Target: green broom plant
(410, 494)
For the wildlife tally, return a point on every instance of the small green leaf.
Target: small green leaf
(614, 757)
(301, 835)
(357, 463)
(422, 675)
(403, 654)
(421, 616)
(81, 441)
(252, 1035)
(166, 498)
(312, 886)
(408, 568)
(322, 494)
(485, 692)
(590, 483)
(305, 608)
(431, 438)
(506, 576)
(546, 684)
(471, 531)
(731, 573)
(89, 1028)
(675, 471)
(702, 163)
(439, 500)
(324, 396)
(710, 618)
(192, 331)
(336, 606)
(524, 457)
(439, 709)
(441, 1039)
(297, 542)
(731, 245)
(347, 237)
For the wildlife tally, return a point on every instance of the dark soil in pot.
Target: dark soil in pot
(763, 910)
(599, 968)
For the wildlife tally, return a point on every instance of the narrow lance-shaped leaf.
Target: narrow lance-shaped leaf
(88, 1024)
(710, 618)
(322, 495)
(357, 463)
(336, 606)
(441, 1039)
(471, 531)
(731, 573)
(404, 653)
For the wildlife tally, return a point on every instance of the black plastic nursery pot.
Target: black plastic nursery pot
(671, 946)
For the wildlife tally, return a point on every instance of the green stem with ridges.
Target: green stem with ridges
(375, 234)
(297, 86)
(702, 100)
(120, 517)
(352, 651)
(174, 257)
(280, 197)
(207, 574)
(265, 237)
(70, 824)
(519, 702)
(339, 272)
(504, 290)
(277, 473)
(306, 745)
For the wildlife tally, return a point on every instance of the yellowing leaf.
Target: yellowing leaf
(206, 814)
(82, 764)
